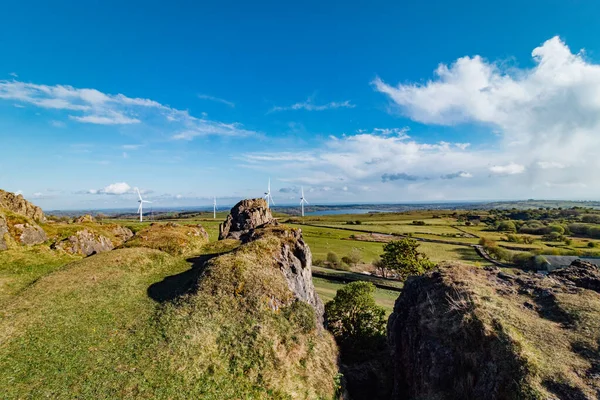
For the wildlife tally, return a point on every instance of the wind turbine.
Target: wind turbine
(141, 201)
(268, 196)
(215, 208)
(302, 200)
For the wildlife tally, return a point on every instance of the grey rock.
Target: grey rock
(17, 204)
(30, 234)
(244, 216)
(84, 242)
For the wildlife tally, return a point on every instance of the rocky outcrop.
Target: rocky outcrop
(87, 218)
(84, 242)
(122, 234)
(17, 204)
(250, 221)
(245, 216)
(472, 333)
(580, 273)
(30, 234)
(3, 231)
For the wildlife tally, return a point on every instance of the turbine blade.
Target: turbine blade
(138, 192)
(272, 201)
(139, 208)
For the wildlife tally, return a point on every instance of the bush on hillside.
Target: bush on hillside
(507, 226)
(356, 321)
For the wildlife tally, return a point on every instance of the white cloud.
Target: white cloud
(19, 192)
(14, 74)
(118, 188)
(94, 107)
(216, 99)
(459, 174)
(57, 124)
(131, 146)
(546, 117)
(308, 105)
(508, 169)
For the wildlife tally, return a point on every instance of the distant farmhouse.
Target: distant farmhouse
(553, 262)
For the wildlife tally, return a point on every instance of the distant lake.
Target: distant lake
(342, 211)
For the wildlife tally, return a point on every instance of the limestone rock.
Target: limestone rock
(245, 216)
(122, 234)
(18, 205)
(3, 231)
(473, 333)
(84, 218)
(84, 242)
(30, 234)
(580, 273)
(251, 220)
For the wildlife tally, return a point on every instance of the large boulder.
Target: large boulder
(473, 333)
(17, 204)
(30, 234)
(121, 233)
(245, 216)
(84, 242)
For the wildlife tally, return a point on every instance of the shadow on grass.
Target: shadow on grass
(469, 254)
(175, 286)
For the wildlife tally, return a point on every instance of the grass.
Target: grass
(91, 330)
(20, 267)
(172, 238)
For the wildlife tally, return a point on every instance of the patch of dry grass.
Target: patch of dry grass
(172, 238)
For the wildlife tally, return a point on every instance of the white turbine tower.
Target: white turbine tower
(215, 208)
(302, 200)
(268, 196)
(141, 201)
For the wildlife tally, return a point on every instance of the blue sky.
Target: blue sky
(362, 102)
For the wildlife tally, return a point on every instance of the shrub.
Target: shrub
(507, 226)
(347, 260)
(553, 237)
(591, 244)
(318, 263)
(355, 256)
(418, 222)
(332, 258)
(357, 222)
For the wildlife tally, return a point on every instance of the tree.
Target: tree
(355, 320)
(507, 226)
(402, 257)
(355, 256)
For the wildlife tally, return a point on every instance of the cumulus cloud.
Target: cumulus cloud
(546, 118)
(118, 188)
(309, 105)
(91, 106)
(508, 169)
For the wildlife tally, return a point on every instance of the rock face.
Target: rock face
(85, 242)
(3, 231)
(472, 333)
(18, 205)
(245, 216)
(30, 234)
